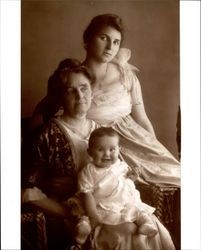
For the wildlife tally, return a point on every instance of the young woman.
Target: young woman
(117, 101)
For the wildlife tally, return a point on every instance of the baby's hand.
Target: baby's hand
(134, 173)
(132, 176)
(95, 220)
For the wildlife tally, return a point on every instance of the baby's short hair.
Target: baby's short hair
(100, 132)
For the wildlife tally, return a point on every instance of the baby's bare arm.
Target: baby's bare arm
(90, 206)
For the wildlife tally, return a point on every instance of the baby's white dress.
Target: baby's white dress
(117, 199)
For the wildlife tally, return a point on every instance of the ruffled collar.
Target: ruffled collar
(122, 58)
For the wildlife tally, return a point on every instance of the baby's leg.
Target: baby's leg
(82, 230)
(146, 225)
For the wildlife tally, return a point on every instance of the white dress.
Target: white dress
(141, 151)
(117, 199)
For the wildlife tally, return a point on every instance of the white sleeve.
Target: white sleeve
(85, 180)
(136, 92)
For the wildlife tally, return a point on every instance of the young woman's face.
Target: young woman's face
(77, 96)
(105, 151)
(104, 45)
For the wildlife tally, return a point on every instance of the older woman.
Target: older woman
(61, 151)
(63, 139)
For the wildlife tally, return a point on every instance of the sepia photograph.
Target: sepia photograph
(100, 121)
(95, 113)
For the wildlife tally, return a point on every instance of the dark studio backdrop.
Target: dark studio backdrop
(52, 30)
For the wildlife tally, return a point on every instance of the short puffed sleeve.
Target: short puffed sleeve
(85, 180)
(136, 92)
(128, 74)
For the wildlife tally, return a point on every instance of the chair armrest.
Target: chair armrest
(162, 197)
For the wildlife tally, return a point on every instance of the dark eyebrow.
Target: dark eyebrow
(103, 34)
(81, 85)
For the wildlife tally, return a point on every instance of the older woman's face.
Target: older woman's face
(104, 45)
(77, 96)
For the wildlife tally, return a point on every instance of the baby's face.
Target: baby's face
(105, 151)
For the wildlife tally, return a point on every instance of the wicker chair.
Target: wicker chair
(166, 200)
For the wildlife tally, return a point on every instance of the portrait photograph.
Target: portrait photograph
(52, 31)
(100, 116)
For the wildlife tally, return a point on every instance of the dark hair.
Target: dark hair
(100, 132)
(59, 79)
(100, 21)
(53, 80)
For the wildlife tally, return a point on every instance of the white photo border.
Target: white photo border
(10, 123)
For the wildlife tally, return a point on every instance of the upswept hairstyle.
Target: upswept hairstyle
(100, 21)
(53, 80)
(58, 81)
(100, 132)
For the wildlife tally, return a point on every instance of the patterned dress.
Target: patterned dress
(55, 161)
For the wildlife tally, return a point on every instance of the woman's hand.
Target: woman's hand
(32, 194)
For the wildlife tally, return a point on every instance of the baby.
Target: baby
(109, 196)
